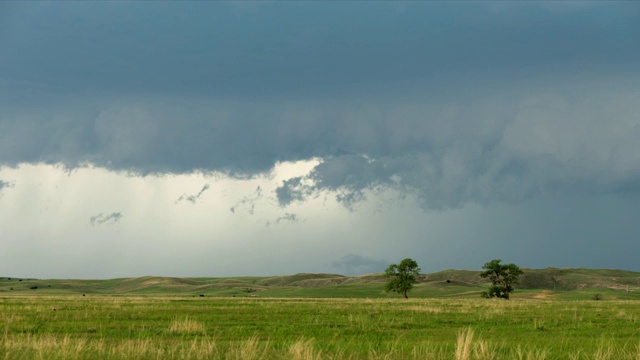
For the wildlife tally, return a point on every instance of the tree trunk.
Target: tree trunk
(405, 294)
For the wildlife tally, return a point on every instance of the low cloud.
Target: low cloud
(4, 184)
(293, 190)
(288, 218)
(102, 219)
(353, 264)
(248, 202)
(193, 198)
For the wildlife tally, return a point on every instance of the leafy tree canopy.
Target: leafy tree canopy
(402, 277)
(502, 276)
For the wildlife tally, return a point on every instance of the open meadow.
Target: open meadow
(194, 327)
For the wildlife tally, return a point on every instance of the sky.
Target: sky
(269, 138)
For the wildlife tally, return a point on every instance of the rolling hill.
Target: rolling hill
(552, 282)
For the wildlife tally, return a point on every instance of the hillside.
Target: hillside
(562, 282)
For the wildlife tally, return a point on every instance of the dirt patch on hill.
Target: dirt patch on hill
(544, 294)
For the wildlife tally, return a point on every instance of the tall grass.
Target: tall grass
(64, 327)
(463, 348)
(304, 350)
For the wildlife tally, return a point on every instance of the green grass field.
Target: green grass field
(178, 327)
(553, 315)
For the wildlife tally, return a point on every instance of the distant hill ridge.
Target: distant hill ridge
(447, 282)
(552, 278)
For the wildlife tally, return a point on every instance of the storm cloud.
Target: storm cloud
(477, 149)
(455, 108)
(482, 115)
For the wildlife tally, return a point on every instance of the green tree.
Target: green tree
(502, 276)
(402, 277)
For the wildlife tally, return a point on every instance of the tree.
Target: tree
(402, 277)
(502, 276)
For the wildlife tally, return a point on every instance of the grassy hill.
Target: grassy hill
(565, 283)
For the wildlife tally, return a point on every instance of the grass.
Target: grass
(186, 327)
(553, 315)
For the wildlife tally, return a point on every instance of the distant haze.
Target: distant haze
(267, 138)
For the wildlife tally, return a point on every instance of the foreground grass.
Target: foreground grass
(155, 327)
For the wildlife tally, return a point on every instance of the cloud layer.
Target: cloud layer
(455, 107)
(548, 142)
(477, 148)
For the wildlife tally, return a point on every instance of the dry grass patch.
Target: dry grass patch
(186, 326)
(304, 350)
(251, 349)
(463, 345)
